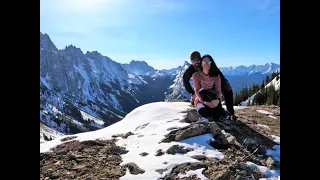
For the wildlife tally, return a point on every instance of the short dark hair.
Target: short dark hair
(194, 54)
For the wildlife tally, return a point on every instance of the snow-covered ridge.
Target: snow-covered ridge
(275, 82)
(267, 68)
(149, 124)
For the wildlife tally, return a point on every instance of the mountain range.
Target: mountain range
(87, 91)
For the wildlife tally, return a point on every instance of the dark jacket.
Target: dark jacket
(188, 74)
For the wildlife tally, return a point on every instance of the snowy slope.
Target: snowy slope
(150, 123)
(275, 82)
(177, 90)
(74, 83)
(47, 133)
(139, 68)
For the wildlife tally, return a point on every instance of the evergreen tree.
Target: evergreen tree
(275, 97)
(246, 93)
(273, 75)
(267, 79)
(260, 98)
(262, 84)
(270, 95)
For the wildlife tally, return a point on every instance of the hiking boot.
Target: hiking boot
(233, 118)
(227, 116)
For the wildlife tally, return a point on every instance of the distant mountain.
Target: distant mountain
(73, 83)
(239, 77)
(267, 68)
(139, 68)
(177, 90)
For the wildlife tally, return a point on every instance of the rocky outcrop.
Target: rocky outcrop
(239, 142)
(83, 160)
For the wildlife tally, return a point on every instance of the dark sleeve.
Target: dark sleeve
(186, 77)
(221, 76)
(225, 85)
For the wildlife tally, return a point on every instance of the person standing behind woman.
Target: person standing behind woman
(207, 88)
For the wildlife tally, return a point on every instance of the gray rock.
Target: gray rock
(143, 154)
(192, 116)
(231, 139)
(176, 149)
(159, 152)
(133, 168)
(213, 128)
(190, 131)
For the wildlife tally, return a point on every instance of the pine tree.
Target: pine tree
(259, 98)
(275, 97)
(262, 85)
(273, 75)
(246, 93)
(270, 95)
(267, 79)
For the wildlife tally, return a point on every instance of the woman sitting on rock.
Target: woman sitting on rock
(207, 87)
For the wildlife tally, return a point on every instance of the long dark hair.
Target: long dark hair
(213, 67)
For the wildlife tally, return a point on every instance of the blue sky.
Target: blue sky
(164, 32)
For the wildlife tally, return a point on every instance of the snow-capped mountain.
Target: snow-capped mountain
(267, 68)
(177, 90)
(73, 83)
(74, 86)
(142, 68)
(139, 68)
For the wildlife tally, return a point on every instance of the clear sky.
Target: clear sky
(164, 32)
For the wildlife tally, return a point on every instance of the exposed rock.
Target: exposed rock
(118, 150)
(82, 160)
(133, 168)
(68, 138)
(231, 139)
(159, 152)
(190, 131)
(269, 162)
(199, 157)
(143, 154)
(161, 170)
(213, 128)
(192, 116)
(183, 168)
(176, 149)
(124, 136)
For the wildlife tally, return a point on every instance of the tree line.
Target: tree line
(264, 96)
